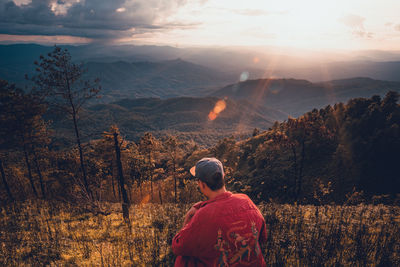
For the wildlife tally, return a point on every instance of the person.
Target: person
(225, 230)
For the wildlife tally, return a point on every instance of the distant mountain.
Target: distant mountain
(388, 70)
(262, 62)
(184, 116)
(295, 97)
(122, 79)
(164, 79)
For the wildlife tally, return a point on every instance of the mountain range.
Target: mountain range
(165, 79)
(261, 62)
(172, 90)
(296, 97)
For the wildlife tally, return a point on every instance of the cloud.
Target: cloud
(251, 12)
(255, 12)
(397, 27)
(353, 21)
(95, 19)
(356, 24)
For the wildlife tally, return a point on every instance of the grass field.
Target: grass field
(39, 233)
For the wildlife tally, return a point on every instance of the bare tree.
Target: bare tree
(121, 180)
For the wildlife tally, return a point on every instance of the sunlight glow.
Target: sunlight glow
(308, 24)
(61, 7)
(56, 39)
(121, 9)
(22, 2)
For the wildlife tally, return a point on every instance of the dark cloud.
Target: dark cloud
(95, 19)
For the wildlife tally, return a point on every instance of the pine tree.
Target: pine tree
(23, 128)
(60, 82)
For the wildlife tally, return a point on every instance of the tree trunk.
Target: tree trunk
(159, 194)
(112, 179)
(39, 172)
(295, 172)
(3, 176)
(28, 165)
(125, 201)
(151, 177)
(176, 190)
(300, 179)
(78, 141)
(151, 185)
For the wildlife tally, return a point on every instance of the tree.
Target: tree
(370, 139)
(23, 128)
(114, 136)
(172, 147)
(147, 146)
(5, 91)
(61, 83)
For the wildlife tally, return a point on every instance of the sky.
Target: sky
(313, 24)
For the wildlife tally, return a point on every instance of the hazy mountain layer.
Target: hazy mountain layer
(295, 97)
(164, 79)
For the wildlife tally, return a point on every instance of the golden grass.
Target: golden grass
(55, 234)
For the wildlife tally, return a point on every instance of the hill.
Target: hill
(184, 116)
(163, 79)
(324, 155)
(295, 97)
(379, 70)
(123, 74)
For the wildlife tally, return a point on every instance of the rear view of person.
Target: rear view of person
(225, 230)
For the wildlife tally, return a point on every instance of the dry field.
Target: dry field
(56, 234)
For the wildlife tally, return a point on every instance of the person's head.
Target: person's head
(211, 172)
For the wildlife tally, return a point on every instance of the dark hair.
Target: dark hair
(216, 182)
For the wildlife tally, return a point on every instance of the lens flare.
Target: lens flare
(244, 76)
(218, 108)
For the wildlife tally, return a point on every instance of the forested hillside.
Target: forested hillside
(186, 117)
(332, 151)
(324, 154)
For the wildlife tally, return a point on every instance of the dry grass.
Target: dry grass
(39, 233)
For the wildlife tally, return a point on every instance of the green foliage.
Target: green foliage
(353, 145)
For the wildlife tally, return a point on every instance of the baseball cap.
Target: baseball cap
(206, 168)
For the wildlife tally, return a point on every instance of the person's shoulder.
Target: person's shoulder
(205, 214)
(244, 200)
(241, 196)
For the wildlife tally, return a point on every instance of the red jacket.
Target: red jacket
(225, 231)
